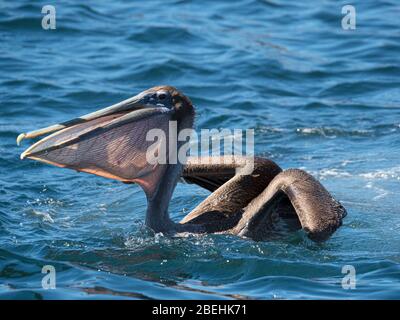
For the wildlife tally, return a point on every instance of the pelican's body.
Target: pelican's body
(113, 143)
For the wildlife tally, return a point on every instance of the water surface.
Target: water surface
(319, 98)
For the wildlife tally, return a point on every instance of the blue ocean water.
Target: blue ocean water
(319, 97)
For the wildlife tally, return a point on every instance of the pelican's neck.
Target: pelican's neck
(157, 216)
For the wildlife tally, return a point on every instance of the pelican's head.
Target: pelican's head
(113, 142)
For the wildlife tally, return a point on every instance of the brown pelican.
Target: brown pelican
(112, 143)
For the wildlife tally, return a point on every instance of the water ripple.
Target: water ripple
(319, 98)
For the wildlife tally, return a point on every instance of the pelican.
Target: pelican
(112, 143)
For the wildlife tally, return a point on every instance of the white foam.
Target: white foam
(381, 193)
(44, 215)
(384, 174)
(333, 172)
(380, 174)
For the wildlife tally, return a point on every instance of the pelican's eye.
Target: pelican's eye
(161, 96)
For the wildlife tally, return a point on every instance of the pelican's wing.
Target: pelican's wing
(317, 211)
(231, 192)
(212, 172)
(207, 172)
